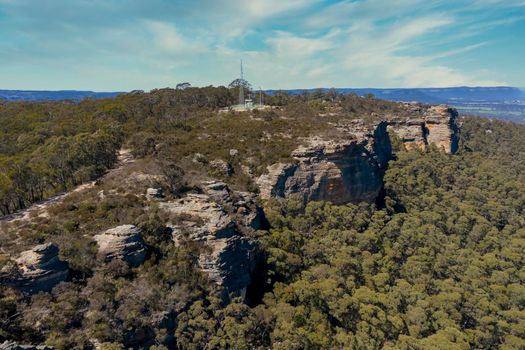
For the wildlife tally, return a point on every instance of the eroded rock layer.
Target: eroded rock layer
(350, 168)
(122, 242)
(341, 171)
(38, 269)
(434, 125)
(220, 219)
(11, 345)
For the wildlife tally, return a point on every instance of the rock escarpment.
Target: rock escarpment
(122, 242)
(434, 125)
(37, 270)
(351, 168)
(222, 220)
(347, 170)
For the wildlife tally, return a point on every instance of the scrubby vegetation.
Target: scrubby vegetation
(440, 266)
(47, 148)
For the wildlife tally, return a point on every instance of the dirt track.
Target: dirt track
(40, 208)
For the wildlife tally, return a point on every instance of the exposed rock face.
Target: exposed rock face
(351, 169)
(38, 269)
(221, 218)
(347, 170)
(434, 125)
(11, 345)
(443, 130)
(122, 242)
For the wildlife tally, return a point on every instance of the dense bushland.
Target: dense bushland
(440, 266)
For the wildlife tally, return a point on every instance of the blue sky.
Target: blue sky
(109, 45)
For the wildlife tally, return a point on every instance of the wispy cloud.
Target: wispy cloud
(346, 12)
(166, 38)
(293, 43)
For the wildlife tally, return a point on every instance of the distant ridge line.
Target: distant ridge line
(53, 95)
(425, 95)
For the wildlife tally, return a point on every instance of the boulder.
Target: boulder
(221, 167)
(218, 191)
(199, 158)
(38, 270)
(154, 193)
(122, 242)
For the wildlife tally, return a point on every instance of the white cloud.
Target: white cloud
(348, 12)
(269, 8)
(283, 44)
(410, 30)
(350, 43)
(230, 19)
(167, 39)
(378, 52)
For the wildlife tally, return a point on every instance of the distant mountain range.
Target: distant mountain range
(499, 102)
(446, 95)
(503, 102)
(38, 95)
(439, 95)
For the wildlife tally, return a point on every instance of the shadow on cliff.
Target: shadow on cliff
(258, 286)
(364, 179)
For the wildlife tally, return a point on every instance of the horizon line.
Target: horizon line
(278, 89)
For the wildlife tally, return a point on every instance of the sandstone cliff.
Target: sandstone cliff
(38, 269)
(434, 125)
(350, 168)
(222, 220)
(346, 170)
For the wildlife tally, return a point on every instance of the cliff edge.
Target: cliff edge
(350, 168)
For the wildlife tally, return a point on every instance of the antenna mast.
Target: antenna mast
(241, 88)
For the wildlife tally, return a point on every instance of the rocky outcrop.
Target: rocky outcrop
(222, 220)
(37, 270)
(122, 242)
(346, 170)
(433, 125)
(350, 167)
(154, 193)
(11, 345)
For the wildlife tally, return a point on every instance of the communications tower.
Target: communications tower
(241, 88)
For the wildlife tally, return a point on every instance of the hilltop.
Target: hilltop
(326, 221)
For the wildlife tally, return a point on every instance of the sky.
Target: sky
(122, 45)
